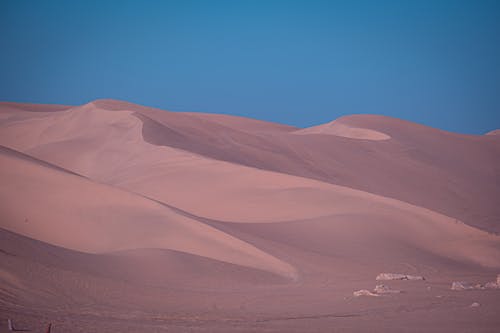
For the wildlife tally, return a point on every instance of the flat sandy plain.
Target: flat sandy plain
(117, 217)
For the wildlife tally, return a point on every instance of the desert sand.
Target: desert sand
(117, 217)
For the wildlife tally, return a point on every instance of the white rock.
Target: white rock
(397, 276)
(492, 285)
(461, 285)
(383, 289)
(364, 292)
(390, 276)
(475, 305)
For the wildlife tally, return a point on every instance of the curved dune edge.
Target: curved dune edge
(153, 267)
(413, 225)
(73, 212)
(346, 131)
(108, 147)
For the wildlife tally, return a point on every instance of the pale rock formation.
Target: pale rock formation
(398, 276)
(462, 285)
(491, 285)
(383, 289)
(364, 292)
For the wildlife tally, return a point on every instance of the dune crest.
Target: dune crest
(494, 132)
(337, 128)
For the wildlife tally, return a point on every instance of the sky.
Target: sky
(302, 63)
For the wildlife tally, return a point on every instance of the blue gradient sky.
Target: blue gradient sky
(296, 62)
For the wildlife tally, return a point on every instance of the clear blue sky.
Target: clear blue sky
(435, 62)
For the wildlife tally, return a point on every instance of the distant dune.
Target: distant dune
(336, 127)
(117, 216)
(494, 132)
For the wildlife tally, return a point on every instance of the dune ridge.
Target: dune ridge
(336, 127)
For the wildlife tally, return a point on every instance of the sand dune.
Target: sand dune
(445, 172)
(116, 212)
(70, 211)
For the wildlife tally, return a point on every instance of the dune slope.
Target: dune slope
(446, 172)
(70, 211)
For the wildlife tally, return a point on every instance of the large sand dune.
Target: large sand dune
(116, 215)
(70, 211)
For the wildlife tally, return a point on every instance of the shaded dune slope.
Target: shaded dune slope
(143, 267)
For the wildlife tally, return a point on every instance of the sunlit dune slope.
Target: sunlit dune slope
(63, 209)
(337, 128)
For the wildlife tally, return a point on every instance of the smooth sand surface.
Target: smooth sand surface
(97, 218)
(337, 128)
(119, 217)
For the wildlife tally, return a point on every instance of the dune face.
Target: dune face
(120, 217)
